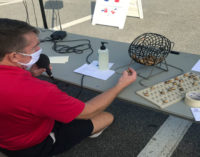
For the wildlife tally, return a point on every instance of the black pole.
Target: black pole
(43, 14)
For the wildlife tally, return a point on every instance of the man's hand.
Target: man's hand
(128, 77)
(102, 101)
(35, 71)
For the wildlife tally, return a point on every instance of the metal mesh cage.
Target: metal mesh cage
(149, 49)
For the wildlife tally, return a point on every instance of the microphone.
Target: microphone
(44, 62)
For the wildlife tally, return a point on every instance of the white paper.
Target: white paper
(93, 71)
(196, 67)
(196, 113)
(59, 59)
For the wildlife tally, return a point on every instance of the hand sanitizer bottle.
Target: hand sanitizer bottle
(103, 57)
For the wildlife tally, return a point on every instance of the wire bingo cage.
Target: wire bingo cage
(151, 49)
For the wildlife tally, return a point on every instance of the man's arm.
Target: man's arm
(102, 101)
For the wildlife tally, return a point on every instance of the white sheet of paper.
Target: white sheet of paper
(59, 59)
(196, 67)
(196, 113)
(93, 71)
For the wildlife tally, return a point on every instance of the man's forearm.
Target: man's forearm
(104, 99)
(100, 102)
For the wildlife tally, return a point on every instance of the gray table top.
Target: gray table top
(120, 57)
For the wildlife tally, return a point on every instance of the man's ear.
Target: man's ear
(13, 57)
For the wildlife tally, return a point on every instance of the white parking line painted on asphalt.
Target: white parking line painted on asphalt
(7, 2)
(75, 22)
(167, 138)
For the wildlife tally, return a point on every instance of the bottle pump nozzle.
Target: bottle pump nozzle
(103, 46)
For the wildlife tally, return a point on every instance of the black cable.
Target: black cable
(77, 49)
(80, 91)
(83, 76)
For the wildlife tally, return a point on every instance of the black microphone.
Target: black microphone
(44, 62)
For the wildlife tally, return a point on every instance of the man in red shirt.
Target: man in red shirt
(37, 119)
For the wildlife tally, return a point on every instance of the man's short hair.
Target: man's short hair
(12, 35)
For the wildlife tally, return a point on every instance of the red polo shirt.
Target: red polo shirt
(29, 107)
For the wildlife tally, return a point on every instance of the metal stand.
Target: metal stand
(159, 66)
(162, 66)
(43, 14)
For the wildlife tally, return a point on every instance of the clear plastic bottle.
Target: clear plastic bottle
(103, 53)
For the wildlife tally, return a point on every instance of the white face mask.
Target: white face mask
(34, 58)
